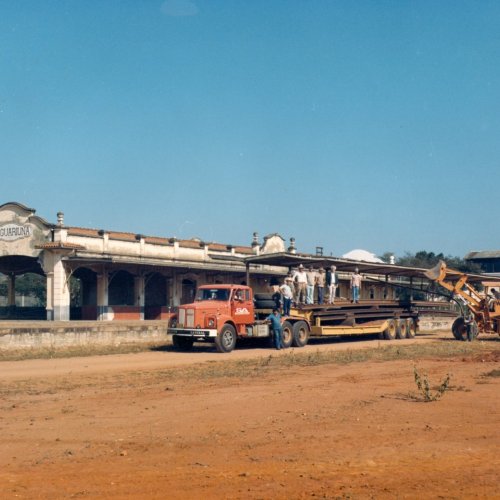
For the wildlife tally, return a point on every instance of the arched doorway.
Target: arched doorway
(23, 288)
(83, 293)
(188, 291)
(155, 291)
(121, 296)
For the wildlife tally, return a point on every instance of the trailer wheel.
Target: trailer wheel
(182, 343)
(300, 334)
(390, 331)
(411, 328)
(287, 335)
(401, 329)
(226, 338)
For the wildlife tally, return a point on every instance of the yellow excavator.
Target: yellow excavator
(480, 310)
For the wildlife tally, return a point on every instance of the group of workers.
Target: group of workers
(302, 286)
(299, 287)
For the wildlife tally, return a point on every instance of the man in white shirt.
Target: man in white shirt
(300, 278)
(287, 294)
(311, 281)
(332, 282)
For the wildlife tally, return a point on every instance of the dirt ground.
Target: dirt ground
(246, 425)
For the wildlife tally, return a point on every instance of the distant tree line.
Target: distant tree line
(34, 285)
(427, 260)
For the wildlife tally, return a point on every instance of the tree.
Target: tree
(427, 260)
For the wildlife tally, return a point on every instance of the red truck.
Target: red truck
(223, 313)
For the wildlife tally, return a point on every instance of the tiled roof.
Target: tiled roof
(155, 240)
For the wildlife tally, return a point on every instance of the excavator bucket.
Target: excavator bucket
(434, 273)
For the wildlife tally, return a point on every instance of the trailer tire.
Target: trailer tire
(287, 334)
(401, 328)
(300, 334)
(390, 331)
(265, 304)
(226, 338)
(182, 343)
(411, 328)
(263, 296)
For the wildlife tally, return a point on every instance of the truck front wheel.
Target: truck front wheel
(226, 339)
(300, 334)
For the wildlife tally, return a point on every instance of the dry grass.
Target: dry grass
(76, 351)
(249, 369)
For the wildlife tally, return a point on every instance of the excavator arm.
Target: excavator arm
(456, 283)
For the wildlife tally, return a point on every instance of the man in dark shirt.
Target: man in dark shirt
(275, 320)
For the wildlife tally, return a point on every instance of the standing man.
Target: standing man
(311, 281)
(332, 282)
(300, 278)
(355, 286)
(275, 321)
(320, 282)
(287, 294)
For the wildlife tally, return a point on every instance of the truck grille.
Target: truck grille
(190, 318)
(186, 318)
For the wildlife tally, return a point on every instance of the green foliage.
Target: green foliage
(427, 260)
(424, 387)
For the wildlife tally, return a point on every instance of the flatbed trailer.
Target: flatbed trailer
(389, 319)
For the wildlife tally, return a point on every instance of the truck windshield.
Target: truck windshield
(213, 294)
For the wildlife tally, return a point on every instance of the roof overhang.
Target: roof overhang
(347, 265)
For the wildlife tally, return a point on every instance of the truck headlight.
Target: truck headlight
(211, 323)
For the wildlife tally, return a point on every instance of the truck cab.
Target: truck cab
(219, 314)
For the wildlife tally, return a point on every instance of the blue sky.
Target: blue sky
(345, 124)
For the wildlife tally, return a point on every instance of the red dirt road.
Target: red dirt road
(74, 428)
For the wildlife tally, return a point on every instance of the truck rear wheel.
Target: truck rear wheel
(300, 334)
(411, 328)
(226, 339)
(401, 328)
(390, 331)
(287, 335)
(182, 343)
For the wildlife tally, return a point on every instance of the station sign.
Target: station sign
(12, 232)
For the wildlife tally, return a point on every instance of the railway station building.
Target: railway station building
(126, 276)
(120, 275)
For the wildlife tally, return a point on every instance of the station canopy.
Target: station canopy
(291, 260)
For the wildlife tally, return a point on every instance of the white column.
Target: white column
(140, 293)
(60, 287)
(50, 295)
(102, 296)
